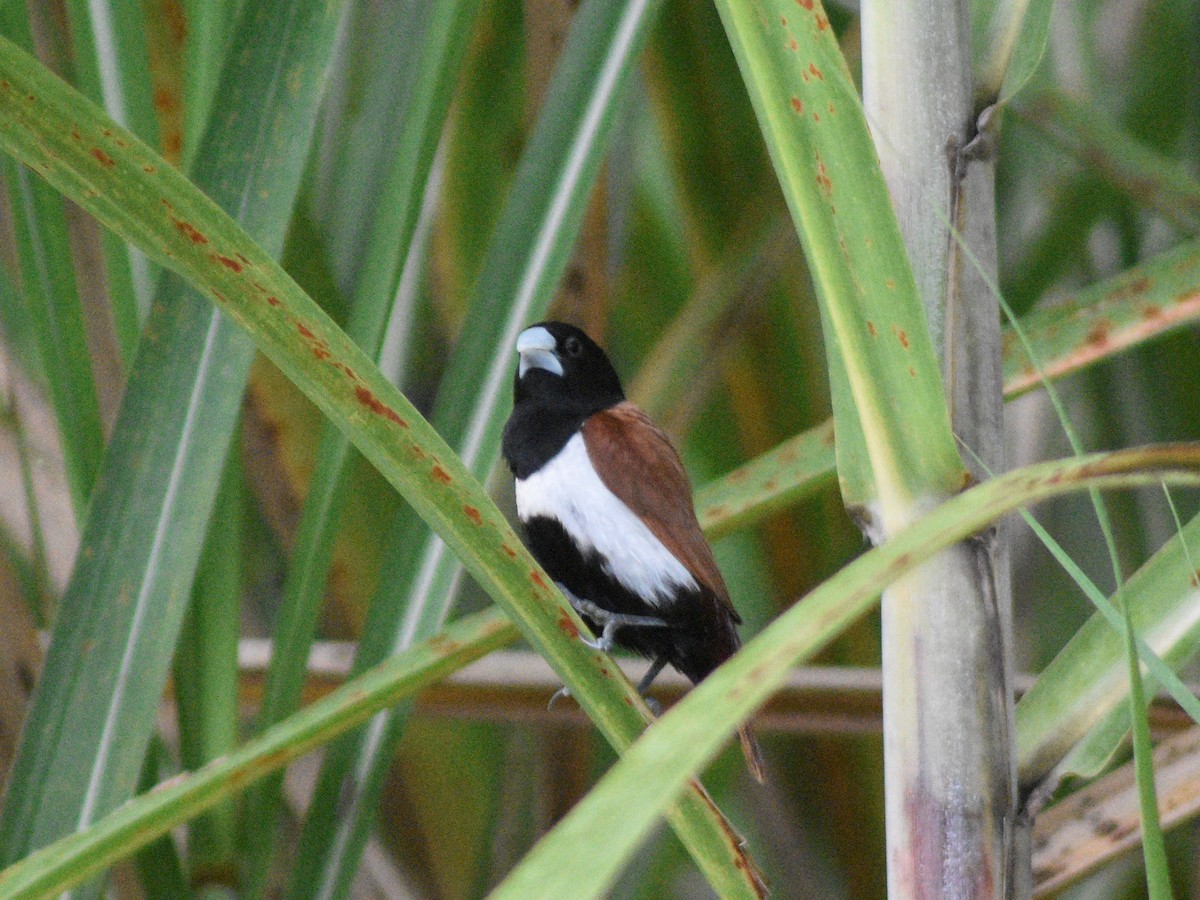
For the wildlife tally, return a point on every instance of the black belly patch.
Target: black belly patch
(700, 633)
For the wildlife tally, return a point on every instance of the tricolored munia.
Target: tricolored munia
(607, 510)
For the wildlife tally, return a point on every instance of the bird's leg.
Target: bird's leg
(608, 621)
(647, 680)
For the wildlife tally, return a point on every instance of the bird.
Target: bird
(607, 511)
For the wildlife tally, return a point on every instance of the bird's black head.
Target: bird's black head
(562, 378)
(563, 369)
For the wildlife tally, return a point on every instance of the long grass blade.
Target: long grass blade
(53, 307)
(112, 643)
(111, 63)
(73, 859)
(434, 68)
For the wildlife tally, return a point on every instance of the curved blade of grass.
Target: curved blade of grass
(75, 858)
(206, 674)
(111, 64)
(812, 120)
(524, 263)
(87, 730)
(1106, 318)
(209, 28)
(582, 854)
(1009, 48)
(49, 292)
(434, 69)
(54, 313)
(125, 187)
(373, 80)
(1154, 851)
(1088, 680)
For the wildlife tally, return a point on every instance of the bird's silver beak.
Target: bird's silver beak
(536, 346)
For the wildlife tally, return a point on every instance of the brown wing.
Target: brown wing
(623, 446)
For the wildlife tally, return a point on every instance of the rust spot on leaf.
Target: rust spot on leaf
(871, 328)
(439, 474)
(536, 577)
(822, 174)
(377, 406)
(901, 336)
(189, 231)
(149, 169)
(103, 158)
(812, 67)
(1097, 336)
(564, 622)
(232, 264)
(822, 22)
(508, 551)
(912, 373)
(305, 333)
(1139, 285)
(798, 106)
(273, 300)
(891, 284)
(473, 514)
(807, 4)
(1150, 312)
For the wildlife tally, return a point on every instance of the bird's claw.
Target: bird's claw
(562, 693)
(606, 641)
(610, 621)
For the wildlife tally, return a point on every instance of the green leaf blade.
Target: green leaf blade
(91, 716)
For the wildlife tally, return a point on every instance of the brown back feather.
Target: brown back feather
(623, 446)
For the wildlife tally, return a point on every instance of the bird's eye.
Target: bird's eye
(573, 346)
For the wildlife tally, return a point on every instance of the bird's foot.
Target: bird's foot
(610, 622)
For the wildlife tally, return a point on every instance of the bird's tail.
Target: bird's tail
(754, 760)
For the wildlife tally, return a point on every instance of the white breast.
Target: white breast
(568, 489)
